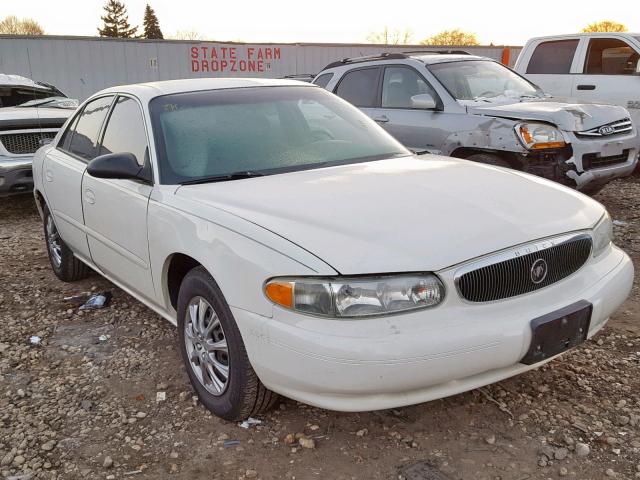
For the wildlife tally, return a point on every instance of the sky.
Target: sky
(336, 21)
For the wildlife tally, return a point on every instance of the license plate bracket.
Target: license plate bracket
(558, 331)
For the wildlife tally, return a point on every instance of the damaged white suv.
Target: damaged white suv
(476, 108)
(300, 249)
(31, 113)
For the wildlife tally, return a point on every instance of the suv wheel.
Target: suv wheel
(63, 262)
(489, 159)
(214, 353)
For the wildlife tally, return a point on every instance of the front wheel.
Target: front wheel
(63, 262)
(489, 159)
(214, 353)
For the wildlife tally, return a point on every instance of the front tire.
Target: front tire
(214, 353)
(489, 159)
(63, 262)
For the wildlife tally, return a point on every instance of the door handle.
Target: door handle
(381, 119)
(89, 196)
(48, 175)
(586, 87)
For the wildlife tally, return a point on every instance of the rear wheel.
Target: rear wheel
(489, 159)
(214, 353)
(63, 262)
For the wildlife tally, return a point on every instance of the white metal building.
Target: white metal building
(80, 66)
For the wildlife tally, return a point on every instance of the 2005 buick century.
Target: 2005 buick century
(302, 251)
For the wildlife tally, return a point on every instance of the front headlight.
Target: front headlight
(602, 235)
(539, 136)
(353, 297)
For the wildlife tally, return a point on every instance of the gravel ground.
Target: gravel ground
(87, 401)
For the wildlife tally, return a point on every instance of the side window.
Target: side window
(125, 131)
(323, 80)
(65, 140)
(400, 84)
(85, 134)
(359, 87)
(553, 57)
(609, 56)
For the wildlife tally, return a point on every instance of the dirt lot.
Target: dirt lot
(83, 403)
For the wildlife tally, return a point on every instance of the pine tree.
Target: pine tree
(116, 22)
(151, 25)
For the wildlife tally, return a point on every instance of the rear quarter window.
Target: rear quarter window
(323, 80)
(554, 57)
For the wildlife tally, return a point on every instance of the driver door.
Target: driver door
(115, 211)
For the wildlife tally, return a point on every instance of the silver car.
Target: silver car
(473, 107)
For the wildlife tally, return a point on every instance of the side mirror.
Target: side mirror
(423, 101)
(118, 166)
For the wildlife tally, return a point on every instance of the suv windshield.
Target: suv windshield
(482, 80)
(235, 133)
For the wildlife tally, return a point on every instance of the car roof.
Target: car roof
(430, 59)
(584, 34)
(147, 91)
(426, 57)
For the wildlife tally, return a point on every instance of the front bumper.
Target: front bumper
(586, 176)
(387, 362)
(15, 175)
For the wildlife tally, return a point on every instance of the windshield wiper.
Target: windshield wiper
(223, 178)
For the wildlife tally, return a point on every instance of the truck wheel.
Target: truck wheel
(63, 262)
(214, 353)
(489, 159)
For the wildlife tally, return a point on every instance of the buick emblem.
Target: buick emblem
(606, 130)
(539, 271)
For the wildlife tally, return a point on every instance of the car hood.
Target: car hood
(23, 113)
(33, 117)
(572, 117)
(409, 214)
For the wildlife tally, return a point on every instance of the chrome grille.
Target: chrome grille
(514, 276)
(20, 143)
(614, 128)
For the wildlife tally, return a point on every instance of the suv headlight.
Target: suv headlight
(539, 136)
(602, 234)
(355, 297)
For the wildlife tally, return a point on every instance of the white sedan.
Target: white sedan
(302, 250)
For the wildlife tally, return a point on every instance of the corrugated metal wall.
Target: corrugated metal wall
(80, 66)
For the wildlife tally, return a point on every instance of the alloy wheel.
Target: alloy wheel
(54, 242)
(206, 346)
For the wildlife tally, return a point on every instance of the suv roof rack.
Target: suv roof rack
(438, 52)
(366, 58)
(393, 56)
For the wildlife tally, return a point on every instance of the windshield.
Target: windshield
(482, 80)
(14, 96)
(263, 130)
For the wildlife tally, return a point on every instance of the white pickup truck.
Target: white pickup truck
(587, 67)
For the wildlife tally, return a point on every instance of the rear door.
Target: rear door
(416, 129)
(115, 211)
(550, 65)
(609, 73)
(360, 88)
(64, 167)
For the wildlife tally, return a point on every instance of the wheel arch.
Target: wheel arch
(41, 203)
(466, 152)
(176, 267)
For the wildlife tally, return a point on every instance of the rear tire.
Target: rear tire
(63, 262)
(489, 159)
(214, 353)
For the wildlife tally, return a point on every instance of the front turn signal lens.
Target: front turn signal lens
(280, 293)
